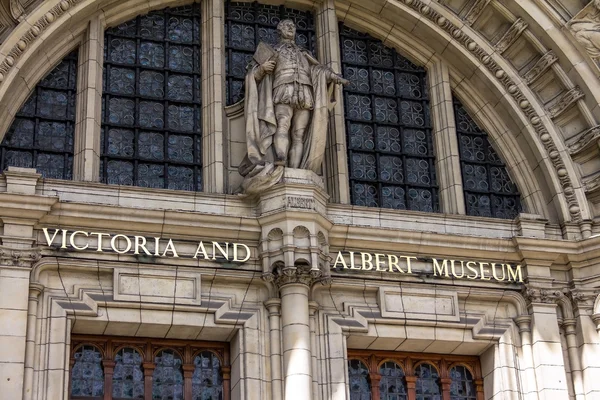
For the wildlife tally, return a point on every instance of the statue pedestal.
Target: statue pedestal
(298, 190)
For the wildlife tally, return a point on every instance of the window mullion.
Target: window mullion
(86, 141)
(446, 144)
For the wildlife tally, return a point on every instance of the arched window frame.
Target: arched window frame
(409, 362)
(149, 348)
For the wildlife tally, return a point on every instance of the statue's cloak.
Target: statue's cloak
(258, 167)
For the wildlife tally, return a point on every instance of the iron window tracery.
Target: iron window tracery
(390, 148)
(151, 129)
(248, 23)
(488, 189)
(41, 136)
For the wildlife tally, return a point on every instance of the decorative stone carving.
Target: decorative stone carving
(585, 140)
(566, 100)
(475, 11)
(581, 299)
(286, 107)
(301, 274)
(511, 35)
(586, 29)
(592, 186)
(19, 257)
(539, 295)
(540, 67)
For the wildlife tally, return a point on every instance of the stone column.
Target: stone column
(313, 307)
(294, 284)
(576, 375)
(35, 289)
(529, 385)
(274, 308)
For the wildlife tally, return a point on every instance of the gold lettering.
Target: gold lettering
(393, 263)
(170, 247)
(114, 246)
(49, 239)
(366, 260)
(494, 272)
(72, 240)
(202, 250)
(440, 270)
(64, 239)
(408, 266)
(481, 270)
(235, 252)
(140, 242)
(340, 259)
(225, 253)
(100, 235)
(514, 274)
(157, 246)
(462, 269)
(379, 262)
(472, 269)
(352, 266)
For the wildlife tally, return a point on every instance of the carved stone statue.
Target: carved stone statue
(286, 105)
(586, 28)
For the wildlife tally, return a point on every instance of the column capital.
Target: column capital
(273, 306)
(23, 257)
(596, 320)
(524, 323)
(303, 275)
(541, 295)
(569, 324)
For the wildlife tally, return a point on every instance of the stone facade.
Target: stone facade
(526, 70)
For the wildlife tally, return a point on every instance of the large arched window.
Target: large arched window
(41, 135)
(390, 150)
(151, 125)
(488, 189)
(249, 23)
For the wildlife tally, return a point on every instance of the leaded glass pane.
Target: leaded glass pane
(128, 376)
(390, 147)
(87, 376)
(41, 136)
(167, 378)
(151, 130)
(207, 381)
(360, 385)
(246, 25)
(392, 385)
(462, 386)
(488, 189)
(428, 387)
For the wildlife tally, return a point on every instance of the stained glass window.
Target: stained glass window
(390, 149)
(428, 386)
(128, 376)
(462, 386)
(392, 385)
(360, 386)
(488, 189)
(249, 23)
(151, 128)
(167, 379)
(41, 136)
(87, 376)
(207, 382)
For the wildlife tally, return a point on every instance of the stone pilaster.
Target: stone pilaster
(529, 383)
(274, 308)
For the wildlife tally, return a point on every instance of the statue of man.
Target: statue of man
(287, 100)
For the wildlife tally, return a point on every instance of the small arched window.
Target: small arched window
(87, 375)
(428, 385)
(390, 149)
(207, 380)
(151, 126)
(41, 136)
(392, 384)
(128, 376)
(360, 385)
(167, 378)
(488, 189)
(462, 386)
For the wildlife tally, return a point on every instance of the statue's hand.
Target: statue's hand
(268, 67)
(342, 81)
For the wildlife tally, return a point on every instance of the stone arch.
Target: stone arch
(29, 56)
